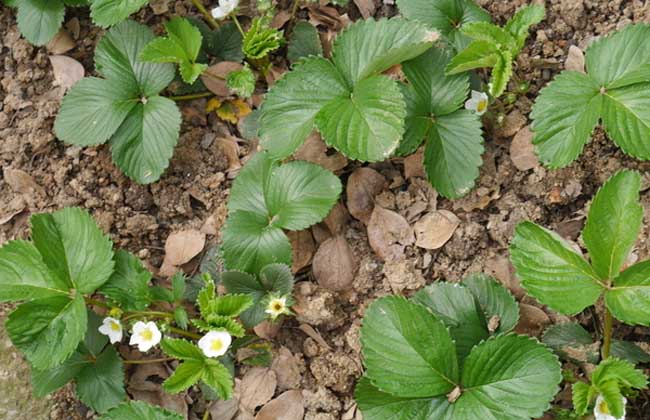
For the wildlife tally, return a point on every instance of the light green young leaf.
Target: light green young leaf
(48, 330)
(100, 385)
(128, 286)
(218, 377)
(580, 397)
(476, 55)
(368, 124)
(241, 82)
(486, 31)
(304, 42)
(412, 344)
(495, 300)
(519, 24)
(622, 371)
(626, 118)
(138, 410)
(611, 393)
(186, 374)
(107, 13)
(501, 73)
(369, 47)
(613, 223)
(230, 305)
(181, 349)
(629, 299)
(261, 39)
(564, 116)
(40, 20)
(74, 248)
(551, 271)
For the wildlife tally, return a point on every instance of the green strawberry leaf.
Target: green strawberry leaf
(40, 20)
(501, 73)
(72, 246)
(521, 22)
(629, 299)
(486, 31)
(447, 16)
(181, 349)
(629, 351)
(100, 385)
(571, 341)
(261, 39)
(247, 192)
(225, 43)
(241, 82)
(456, 307)
(107, 13)
(626, 118)
(495, 301)
(186, 374)
(304, 42)
(138, 410)
(551, 271)
(128, 286)
(412, 344)
(613, 223)
(476, 55)
(581, 400)
(49, 380)
(622, 371)
(48, 330)
(611, 393)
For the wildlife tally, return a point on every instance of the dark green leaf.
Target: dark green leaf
(100, 385)
(495, 300)
(94, 341)
(519, 24)
(107, 13)
(40, 20)
(47, 381)
(304, 42)
(225, 43)
(629, 351)
(629, 299)
(571, 341)
(128, 286)
(138, 410)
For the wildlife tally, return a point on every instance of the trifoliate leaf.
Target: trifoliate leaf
(456, 307)
(40, 20)
(181, 46)
(261, 39)
(241, 82)
(74, 248)
(495, 300)
(447, 16)
(100, 385)
(48, 330)
(408, 341)
(622, 371)
(629, 299)
(580, 397)
(368, 124)
(304, 42)
(107, 13)
(138, 410)
(519, 24)
(128, 286)
(551, 271)
(369, 47)
(613, 223)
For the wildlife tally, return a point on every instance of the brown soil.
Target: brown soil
(139, 218)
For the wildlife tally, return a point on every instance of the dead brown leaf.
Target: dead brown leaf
(230, 148)
(303, 248)
(67, 71)
(522, 151)
(180, 248)
(575, 60)
(334, 265)
(257, 387)
(310, 331)
(224, 409)
(512, 123)
(287, 369)
(338, 218)
(363, 186)
(366, 7)
(532, 320)
(144, 385)
(22, 182)
(288, 406)
(280, 18)
(315, 150)
(268, 329)
(388, 234)
(434, 229)
(214, 77)
(61, 43)
(414, 165)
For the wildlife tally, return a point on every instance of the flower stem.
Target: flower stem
(192, 96)
(206, 415)
(199, 5)
(144, 361)
(157, 314)
(607, 333)
(234, 19)
(184, 333)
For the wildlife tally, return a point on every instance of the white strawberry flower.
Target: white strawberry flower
(478, 103)
(145, 335)
(224, 9)
(277, 306)
(601, 410)
(112, 328)
(215, 343)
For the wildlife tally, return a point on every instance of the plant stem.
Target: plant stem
(206, 415)
(96, 302)
(192, 96)
(234, 19)
(144, 361)
(158, 314)
(607, 333)
(294, 10)
(184, 333)
(199, 5)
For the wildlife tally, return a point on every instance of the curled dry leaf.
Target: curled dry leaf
(334, 264)
(522, 151)
(288, 406)
(575, 60)
(315, 150)
(257, 387)
(311, 332)
(414, 165)
(61, 43)
(302, 248)
(230, 149)
(214, 77)
(363, 186)
(388, 234)
(434, 229)
(180, 248)
(67, 71)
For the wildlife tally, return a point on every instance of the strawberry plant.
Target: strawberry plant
(496, 47)
(435, 115)
(266, 198)
(138, 410)
(448, 354)
(613, 91)
(124, 107)
(357, 110)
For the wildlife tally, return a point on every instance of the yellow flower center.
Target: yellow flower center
(277, 306)
(147, 335)
(603, 408)
(115, 326)
(216, 345)
(482, 106)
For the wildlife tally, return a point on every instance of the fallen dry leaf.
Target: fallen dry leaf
(310, 331)
(315, 150)
(21, 182)
(363, 186)
(366, 7)
(224, 410)
(512, 123)
(180, 248)
(257, 387)
(61, 43)
(434, 229)
(575, 60)
(144, 385)
(334, 265)
(532, 320)
(302, 247)
(338, 218)
(67, 71)
(230, 148)
(268, 329)
(388, 234)
(288, 406)
(214, 77)
(287, 369)
(522, 151)
(414, 165)
(280, 18)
